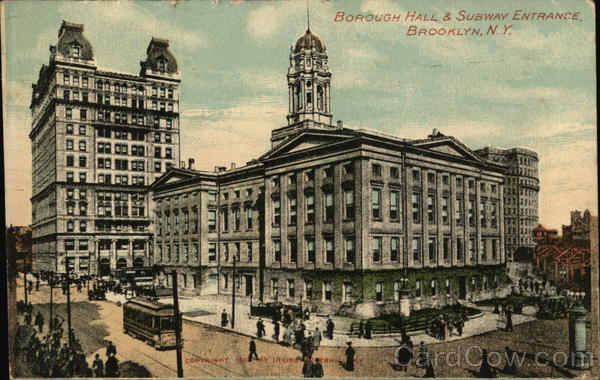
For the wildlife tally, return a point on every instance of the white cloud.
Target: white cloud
(264, 22)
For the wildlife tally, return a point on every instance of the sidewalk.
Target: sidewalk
(207, 311)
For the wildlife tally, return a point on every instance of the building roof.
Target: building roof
(309, 41)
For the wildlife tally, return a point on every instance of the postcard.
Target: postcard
(310, 188)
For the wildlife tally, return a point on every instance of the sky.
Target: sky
(533, 87)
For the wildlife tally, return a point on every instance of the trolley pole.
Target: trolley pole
(68, 280)
(25, 283)
(51, 285)
(233, 294)
(177, 325)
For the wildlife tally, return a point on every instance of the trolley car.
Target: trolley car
(150, 321)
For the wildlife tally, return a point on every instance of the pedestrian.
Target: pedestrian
(37, 284)
(78, 285)
(509, 322)
(459, 326)
(422, 356)
(28, 318)
(316, 338)
(39, 321)
(350, 352)
(317, 369)
(442, 329)
(112, 366)
(224, 319)
(287, 336)
(429, 372)
(485, 370)
(30, 286)
(368, 330)
(361, 328)
(451, 326)
(511, 362)
(306, 314)
(329, 327)
(260, 328)
(276, 330)
(252, 353)
(307, 368)
(98, 366)
(110, 349)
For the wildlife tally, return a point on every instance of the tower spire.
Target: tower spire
(307, 16)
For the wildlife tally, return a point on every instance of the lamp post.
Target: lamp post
(579, 358)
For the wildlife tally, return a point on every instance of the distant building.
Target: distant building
(521, 193)
(18, 246)
(578, 232)
(565, 259)
(98, 139)
(336, 217)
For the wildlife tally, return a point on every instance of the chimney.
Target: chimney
(232, 165)
(220, 169)
(182, 164)
(434, 132)
(191, 163)
(340, 124)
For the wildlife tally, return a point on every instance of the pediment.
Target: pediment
(305, 141)
(171, 176)
(449, 146)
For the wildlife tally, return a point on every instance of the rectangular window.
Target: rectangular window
(472, 251)
(433, 287)
(484, 244)
(432, 250)
(83, 115)
(483, 213)
(460, 249)
(376, 249)
(69, 245)
(82, 161)
(82, 226)
(212, 220)
(460, 206)
(329, 250)
(69, 113)
(82, 177)
(291, 288)
(277, 251)
(293, 248)
(82, 146)
(237, 218)
(376, 170)
(416, 248)
(308, 285)
(69, 144)
(416, 207)
(349, 204)
(70, 161)
(471, 212)
(328, 196)
(494, 214)
(494, 249)
(277, 212)
(274, 286)
(376, 203)
(249, 253)
(310, 249)
(379, 291)
(445, 210)
(431, 208)
(310, 208)
(327, 291)
(394, 205)
(348, 292)
(394, 249)
(225, 217)
(418, 288)
(349, 243)
(394, 172)
(212, 251)
(430, 179)
(293, 209)
(446, 248)
(249, 221)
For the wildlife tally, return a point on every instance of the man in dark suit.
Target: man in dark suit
(252, 353)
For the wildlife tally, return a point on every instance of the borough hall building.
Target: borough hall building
(335, 217)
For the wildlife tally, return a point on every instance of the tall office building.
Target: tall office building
(520, 198)
(99, 138)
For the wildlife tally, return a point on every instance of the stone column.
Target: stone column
(130, 253)
(113, 254)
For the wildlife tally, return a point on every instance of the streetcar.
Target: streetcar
(151, 321)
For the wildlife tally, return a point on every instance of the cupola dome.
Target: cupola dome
(309, 41)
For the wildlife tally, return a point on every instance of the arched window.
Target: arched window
(162, 64)
(75, 51)
(320, 97)
(298, 96)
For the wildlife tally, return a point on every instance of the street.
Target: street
(209, 351)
